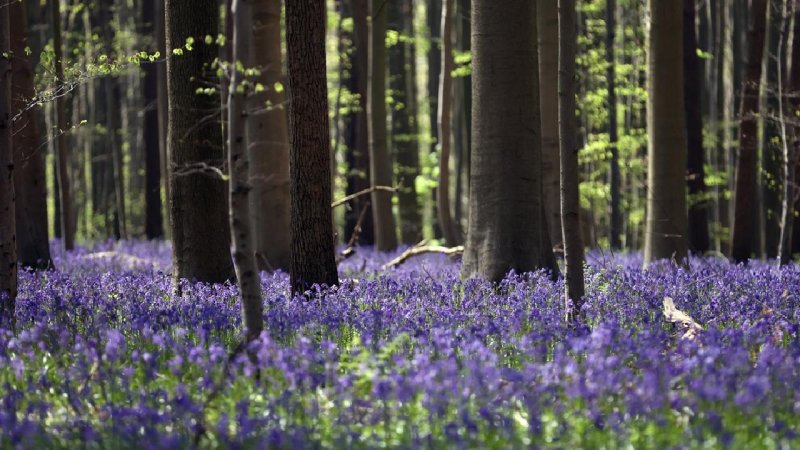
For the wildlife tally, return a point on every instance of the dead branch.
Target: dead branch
(675, 315)
(422, 248)
(366, 191)
(350, 250)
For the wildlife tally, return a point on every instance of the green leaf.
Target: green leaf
(278, 86)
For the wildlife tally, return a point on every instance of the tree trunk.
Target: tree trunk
(8, 245)
(548, 90)
(67, 216)
(692, 88)
(309, 141)
(404, 120)
(153, 221)
(163, 110)
(433, 10)
(379, 158)
(244, 257)
(201, 248)
(30, 185)
(444, 123)
(613, 138)
(666, 231)
(748, 137)
(507, 230)
(269, 140)
(356, 133)
(790, 133)
(570, 183)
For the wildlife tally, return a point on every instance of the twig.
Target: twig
(351, 244)
(368, 190)
(420, 249)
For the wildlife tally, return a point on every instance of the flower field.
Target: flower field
(107, 355)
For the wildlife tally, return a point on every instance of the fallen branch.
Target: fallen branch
(422, 248)
(675, 315)
(366, 191)
(350, 250)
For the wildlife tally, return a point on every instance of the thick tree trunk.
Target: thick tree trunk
(30, 185)
(507, 230)
(309, 141)
(742, 238)
(666, 230)
(568, 129)
(616, 211)
(444, 123)
(67, 216)
(244, 257)
(269, 141)
(199, 212)
(692, 88)
(379, 158)
(548, 91)
(8, 245)
(404, 120)
(153, 221)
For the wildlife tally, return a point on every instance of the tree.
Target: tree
(547, 15)
(692, 87)
(402, 71)
(666, 229)
(444, 124)
(791, 134)
(244, 257)
(153, 221)
(568, 130)
(379, 158)
(67, 216)
(741, 247)
(269, 140)
(30, 185)
(198, 205)
(507, 230)
(309, 140)
(8, 245)
(616, 214)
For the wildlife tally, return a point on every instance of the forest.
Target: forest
(399, 224)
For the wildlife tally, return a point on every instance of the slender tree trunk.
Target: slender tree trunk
(67, 216)
(507, 230)
(30, 185)
(666, 232)
(244, 257)
(309, 141)
(616, 213)
(162, 106)
(444, 123)
(434, 21)
(791, 102)
(748, 137)
(201, 248)
(269, 141)
(153, 221)
(568, 129)
(8, 244)
(379, 158)
(692, 88)
(404, 120)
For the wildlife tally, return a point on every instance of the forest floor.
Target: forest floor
(105, 355)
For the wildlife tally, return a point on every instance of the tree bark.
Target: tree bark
(791, 134)
(163, 110)
(67, 216)
(613, 138)
(404, 120)
(444, 123)
(748, 137)
(198, 206)
(313, 260)
(570, 183)
(244, 257)
(692, 88)
(8, 245)
(507, 230)
(269, 140)
(433, 10)
(379, 158)
(666, 230)
(30, 185)
(153, 221)
(548, 91)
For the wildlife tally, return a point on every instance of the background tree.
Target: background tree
(742, 238)
(8, 245)
(791, 106)
(309, 140)
(666, 233)
(67, 210)
(201, 248)
(30, 185)
(444, 123)
(506, 230)
(154, 222)
(615, 229)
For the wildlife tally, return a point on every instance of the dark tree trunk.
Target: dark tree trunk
(692, 88)
(746, 166)
(507, 230)
(434, 22)
(67, 216)
(444, 122)
(30, 185)
(404, 120)
(790, 104)
(153, 221)
(8, 245)
(162, 107)
(616, 212)
(309, 140)
(200, 230)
